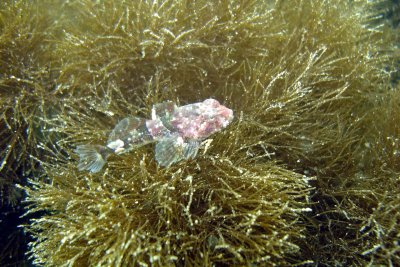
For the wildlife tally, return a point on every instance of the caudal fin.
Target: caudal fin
(92, 157)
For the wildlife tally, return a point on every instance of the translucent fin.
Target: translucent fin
(127, 126)
(190, 149)
(169, 150)
(163, 109)
(92, 157)
(172, 149)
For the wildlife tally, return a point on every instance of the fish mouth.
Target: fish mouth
(227, 114)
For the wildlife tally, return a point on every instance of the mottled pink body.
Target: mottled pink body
(156, 128)
(194, 121)
(200, 120)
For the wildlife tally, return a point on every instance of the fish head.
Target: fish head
(214, 111)
(215, 116)
(199, 120)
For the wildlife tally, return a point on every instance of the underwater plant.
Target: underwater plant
(306, 172)
(27, 98)
(25, 80)
(176, 216)
(188, 214)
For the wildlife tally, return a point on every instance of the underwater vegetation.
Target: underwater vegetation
(387, 10)
(26, 79)
(307, 172)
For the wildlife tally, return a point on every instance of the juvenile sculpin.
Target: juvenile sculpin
(177, 132)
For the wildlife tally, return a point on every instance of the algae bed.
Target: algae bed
(307, 174)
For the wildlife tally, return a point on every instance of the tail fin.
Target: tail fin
(92, 157)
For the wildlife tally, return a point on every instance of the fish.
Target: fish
(176, 131)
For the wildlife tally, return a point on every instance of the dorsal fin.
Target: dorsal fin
(163, 109)
(126, 126)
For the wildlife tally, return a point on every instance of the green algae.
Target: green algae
(306, 174)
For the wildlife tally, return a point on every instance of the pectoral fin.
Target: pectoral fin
(173, 149)
(190, 149)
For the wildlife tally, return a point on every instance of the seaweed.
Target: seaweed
(26, 81)
(307, 174)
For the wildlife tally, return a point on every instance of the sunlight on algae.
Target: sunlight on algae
(20, 88)
(307, 173)
(216, 212)
(26, 77)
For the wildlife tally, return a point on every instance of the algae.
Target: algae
(307, 174)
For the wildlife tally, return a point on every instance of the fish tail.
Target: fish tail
(92, 157)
